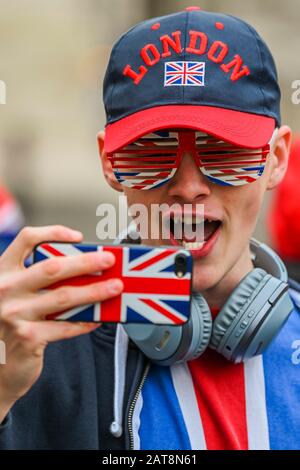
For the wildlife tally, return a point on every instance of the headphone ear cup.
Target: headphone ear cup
(197, 331)
(235, 304)
(186, 342)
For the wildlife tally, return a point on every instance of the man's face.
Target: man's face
(233, 210)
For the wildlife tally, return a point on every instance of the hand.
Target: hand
(23, 308)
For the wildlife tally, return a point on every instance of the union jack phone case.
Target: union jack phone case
(157, 284)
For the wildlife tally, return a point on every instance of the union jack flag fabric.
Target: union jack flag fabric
(184, 73)
(212, 404)
(152, 291)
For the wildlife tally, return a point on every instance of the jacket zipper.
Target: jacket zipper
(133, 403)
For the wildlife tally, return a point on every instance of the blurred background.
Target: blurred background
(53, 56)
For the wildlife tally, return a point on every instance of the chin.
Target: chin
(205, 277)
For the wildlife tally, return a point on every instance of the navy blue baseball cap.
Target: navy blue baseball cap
(192, 69)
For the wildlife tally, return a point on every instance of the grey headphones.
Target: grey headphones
(250, 319)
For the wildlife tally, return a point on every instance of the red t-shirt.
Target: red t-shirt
(220, 391)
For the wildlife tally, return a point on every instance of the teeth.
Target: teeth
(187, 219)
(193, 246)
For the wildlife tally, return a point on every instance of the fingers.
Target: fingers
(47, 332)
(56, 269)
(36, 307)
(29, 237)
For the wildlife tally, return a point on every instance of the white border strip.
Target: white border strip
(184, 388)
(256, 411)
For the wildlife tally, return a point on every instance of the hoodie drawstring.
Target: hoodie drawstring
(120, 359)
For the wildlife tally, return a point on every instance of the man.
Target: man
(284, 221)
(11, 218)
(192, 78)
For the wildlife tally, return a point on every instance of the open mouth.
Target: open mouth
(192, 234)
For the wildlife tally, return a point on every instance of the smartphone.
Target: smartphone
(157, 284)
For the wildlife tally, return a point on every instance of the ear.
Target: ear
(106, 165)
(280, 156)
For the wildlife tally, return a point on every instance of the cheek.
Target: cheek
(243, 206)
(149, 223)
(144, 199)
(135, 196)
(250, 211)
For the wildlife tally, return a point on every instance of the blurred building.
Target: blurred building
(53, 56)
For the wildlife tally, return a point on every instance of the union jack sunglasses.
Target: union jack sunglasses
(153, 159)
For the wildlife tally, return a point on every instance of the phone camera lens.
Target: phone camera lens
(180, 265)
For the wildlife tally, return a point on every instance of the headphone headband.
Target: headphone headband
(266, 258)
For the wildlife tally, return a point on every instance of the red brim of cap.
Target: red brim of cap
(243, 129)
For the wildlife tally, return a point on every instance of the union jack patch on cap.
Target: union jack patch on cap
(184, 73)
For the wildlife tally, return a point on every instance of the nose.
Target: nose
(188, 182)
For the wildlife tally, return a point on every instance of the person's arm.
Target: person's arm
(23, 309)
